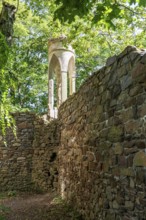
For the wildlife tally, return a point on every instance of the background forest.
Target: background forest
(96, 29)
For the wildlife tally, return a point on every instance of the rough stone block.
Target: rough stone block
(129, 205)
(126, 81)
(122, 161)
(127, 171)
(118, 149)
(140, 159)
(139, 72)
(111, 60)
(115, 133)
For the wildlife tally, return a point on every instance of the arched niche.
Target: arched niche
(71, 75)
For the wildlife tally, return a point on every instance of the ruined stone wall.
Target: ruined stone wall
(45, 163)
(102, 155)
(28, 162)
(16, 157)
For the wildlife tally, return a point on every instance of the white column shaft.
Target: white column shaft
(63, 86)
(51, 94)
(73, 83)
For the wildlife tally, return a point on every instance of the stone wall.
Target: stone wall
(16, 157)
(28, 162)
(97, 145)
(45, 145)
(102, 154)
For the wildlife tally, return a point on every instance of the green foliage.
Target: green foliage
(132, 2)
(142, 3)
(4, 51)
(4, 210)
(98, 29)
(7, 17)
(2, 217)
(104, 10)
(12, 193)
(6, 120)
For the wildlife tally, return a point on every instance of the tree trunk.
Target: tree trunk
(7, 18)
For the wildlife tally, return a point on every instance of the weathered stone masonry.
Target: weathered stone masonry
(102, 156)
(16, 158)
(45, 165)
(97, 145)
(29, 162)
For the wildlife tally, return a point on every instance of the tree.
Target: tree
(101, 10)
(7, 18)
(25, 75)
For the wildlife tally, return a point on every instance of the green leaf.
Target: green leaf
(142, 3)
(132, 2)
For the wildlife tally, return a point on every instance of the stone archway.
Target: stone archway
(61, 73)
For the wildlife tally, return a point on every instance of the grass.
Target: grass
(3, 210)
(4, 195)
(2, 217)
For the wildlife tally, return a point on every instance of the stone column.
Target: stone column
(63, 86)
(59, 95)
(70, 85)
(73, 86)
(51, 94)
(59, 99)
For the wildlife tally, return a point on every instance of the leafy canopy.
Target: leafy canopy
(99, 29)
(101, 10)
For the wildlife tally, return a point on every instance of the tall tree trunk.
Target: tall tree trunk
(7, 18)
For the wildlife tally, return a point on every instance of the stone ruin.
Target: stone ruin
(61, 74)
(94, 153)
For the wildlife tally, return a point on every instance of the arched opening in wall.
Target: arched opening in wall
(54, 83)
(71, 76)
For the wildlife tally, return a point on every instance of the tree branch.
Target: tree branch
(17, 5)
(126, 7)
